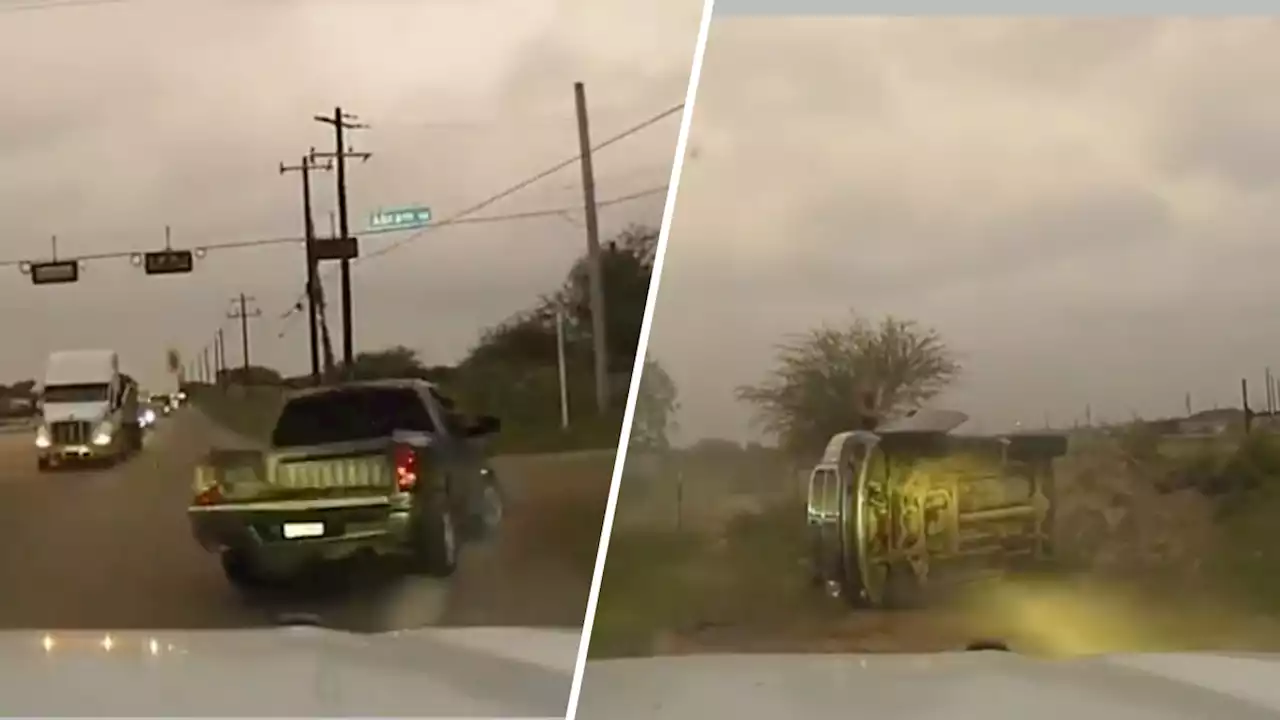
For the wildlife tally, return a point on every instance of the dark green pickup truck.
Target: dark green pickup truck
(382, 467)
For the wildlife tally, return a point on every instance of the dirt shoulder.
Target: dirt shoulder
(1144, 568)
(538, 571)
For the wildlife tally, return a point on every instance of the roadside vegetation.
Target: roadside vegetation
(709, 548)
(511, 372)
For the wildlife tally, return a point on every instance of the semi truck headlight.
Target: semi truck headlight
(42, 437)
(103, 435)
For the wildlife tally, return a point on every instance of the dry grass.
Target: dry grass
(741, 584)
(539, 570)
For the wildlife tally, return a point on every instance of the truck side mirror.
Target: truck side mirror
(484, 425)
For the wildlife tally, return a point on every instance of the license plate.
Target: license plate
(292, 531)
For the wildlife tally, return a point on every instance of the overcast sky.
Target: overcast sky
(123, 117)
(1086, 210)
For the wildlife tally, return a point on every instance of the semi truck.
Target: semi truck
(88, 410)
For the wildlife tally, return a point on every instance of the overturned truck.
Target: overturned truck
(911, 506)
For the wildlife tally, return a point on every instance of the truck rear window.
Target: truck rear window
(350, 415)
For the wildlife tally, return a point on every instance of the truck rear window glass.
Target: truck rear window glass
(350, 415)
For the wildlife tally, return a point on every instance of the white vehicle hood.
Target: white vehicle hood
(293, 671)
(89, 411)
(986, 685)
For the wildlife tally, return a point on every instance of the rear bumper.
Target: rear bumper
(349, 525)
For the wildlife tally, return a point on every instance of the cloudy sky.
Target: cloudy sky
(123, 117)
(1087, 210)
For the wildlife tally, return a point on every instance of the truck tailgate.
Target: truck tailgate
(333, 470)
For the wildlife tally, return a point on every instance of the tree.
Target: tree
(833, 379)
(529, 337)
(390, 363)
(627, 264)
(656, 406)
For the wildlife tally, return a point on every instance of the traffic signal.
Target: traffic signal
(168, 262)
(53, 273)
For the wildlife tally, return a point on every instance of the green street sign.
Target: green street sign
(399, 219)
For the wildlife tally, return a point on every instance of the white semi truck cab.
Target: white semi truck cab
(88, 409)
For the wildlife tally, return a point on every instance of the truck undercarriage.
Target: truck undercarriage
(899, 511)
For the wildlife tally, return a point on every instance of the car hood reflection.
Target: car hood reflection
(988, 685)
(295, 671)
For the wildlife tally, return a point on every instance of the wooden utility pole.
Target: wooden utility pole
(342, 122)
(304, 167)
(595, 265)
(220, 352)
(242, 313)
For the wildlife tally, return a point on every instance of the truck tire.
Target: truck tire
(433, 538)
(42, 465)
(487, 520)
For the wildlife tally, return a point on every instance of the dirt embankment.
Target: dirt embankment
(1161, 547)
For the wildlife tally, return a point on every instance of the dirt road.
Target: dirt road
(111, 549)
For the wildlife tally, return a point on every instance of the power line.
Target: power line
(298, 305)
(265, 242)
(462, 216)
(456, 217)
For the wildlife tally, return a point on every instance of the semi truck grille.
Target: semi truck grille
(70, 432)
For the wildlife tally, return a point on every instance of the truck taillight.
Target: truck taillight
(406, 463)
(208, 491)
(209, 496)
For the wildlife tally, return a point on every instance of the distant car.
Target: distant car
(385, 467)
(164, 404)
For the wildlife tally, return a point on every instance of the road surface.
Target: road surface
(111, 549)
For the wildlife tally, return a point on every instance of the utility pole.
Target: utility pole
(204, 363)
(217, 360)
(243, 314)
(595, 266)
(305, 166)
(1244, 404)
(342, 122)
(220, 352)
(561, 369)
(1270, 395)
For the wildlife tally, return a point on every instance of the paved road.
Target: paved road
(110, 549)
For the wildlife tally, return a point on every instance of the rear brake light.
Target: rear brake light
(211, 496)
(406, 462)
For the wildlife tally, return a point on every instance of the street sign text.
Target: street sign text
(399, 219)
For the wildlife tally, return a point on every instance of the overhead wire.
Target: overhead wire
(298, 305)
(242, 244)
(462, 216)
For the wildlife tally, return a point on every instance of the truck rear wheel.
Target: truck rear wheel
(433, 539)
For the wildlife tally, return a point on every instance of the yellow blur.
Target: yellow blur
(1073, 617)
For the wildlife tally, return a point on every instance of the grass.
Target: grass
(665, 587)
(744, 585)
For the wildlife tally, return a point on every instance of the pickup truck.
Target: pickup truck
(387, 467)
